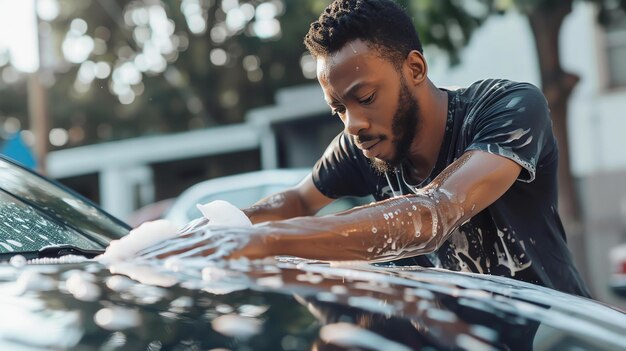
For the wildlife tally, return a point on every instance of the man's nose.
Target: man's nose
(355, 123)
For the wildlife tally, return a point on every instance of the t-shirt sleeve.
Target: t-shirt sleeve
(339, 172)
(515, 124)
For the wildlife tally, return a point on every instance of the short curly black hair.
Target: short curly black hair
(381, 23)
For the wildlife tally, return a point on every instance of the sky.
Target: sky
(18, 33)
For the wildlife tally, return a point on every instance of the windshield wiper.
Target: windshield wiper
(53, 251)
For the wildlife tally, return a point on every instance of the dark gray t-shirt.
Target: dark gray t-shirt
(520, 235)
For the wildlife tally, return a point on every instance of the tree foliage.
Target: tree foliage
(192, 91)
(212, 76)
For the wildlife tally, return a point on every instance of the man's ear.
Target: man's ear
(416, 67)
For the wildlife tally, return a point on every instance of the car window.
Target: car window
(67, 207)
(23, 228)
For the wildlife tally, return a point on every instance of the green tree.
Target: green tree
(224, 58)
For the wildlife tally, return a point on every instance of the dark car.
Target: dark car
(74, 303)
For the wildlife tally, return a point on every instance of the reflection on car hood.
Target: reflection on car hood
(288, 304)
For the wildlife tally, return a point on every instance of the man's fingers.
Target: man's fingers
(193, 225)
(209, 242)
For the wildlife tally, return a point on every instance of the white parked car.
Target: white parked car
(617, 257)
(243, 190)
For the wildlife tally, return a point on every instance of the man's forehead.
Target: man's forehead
(356, 49)
(354, 61)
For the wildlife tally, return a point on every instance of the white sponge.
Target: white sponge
(223, 213)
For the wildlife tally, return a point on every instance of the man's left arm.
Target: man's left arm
(511, 133)
(399, 227)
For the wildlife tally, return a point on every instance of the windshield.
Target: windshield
(22, 228)
(56, 202)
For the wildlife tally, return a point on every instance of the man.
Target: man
(465, 180)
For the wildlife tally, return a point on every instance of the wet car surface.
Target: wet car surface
(52, 297)
(287, 304)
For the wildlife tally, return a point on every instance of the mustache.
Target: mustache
(363, 138)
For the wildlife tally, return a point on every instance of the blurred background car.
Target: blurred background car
(617, 256)
(243, 190)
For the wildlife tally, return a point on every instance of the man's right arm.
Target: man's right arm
(302, 200)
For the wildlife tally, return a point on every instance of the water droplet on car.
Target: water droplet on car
(17, 261)
(236, 326)
(117, 318)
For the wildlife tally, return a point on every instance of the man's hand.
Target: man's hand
(211, 242)
(215, 214)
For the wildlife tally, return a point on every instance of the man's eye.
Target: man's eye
(338, 111)
(368, 100)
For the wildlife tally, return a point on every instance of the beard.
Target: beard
(404, 127)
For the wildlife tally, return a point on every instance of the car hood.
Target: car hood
(287, 304)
